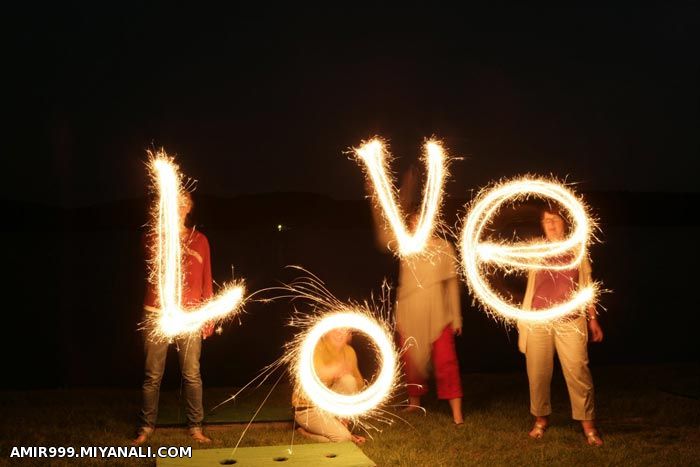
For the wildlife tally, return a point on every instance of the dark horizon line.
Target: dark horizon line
(211, 196)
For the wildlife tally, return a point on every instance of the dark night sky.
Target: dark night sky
(259, 99)
(268, 100)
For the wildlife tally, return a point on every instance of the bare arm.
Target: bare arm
(382, 232)
(595, 331)
(452, 292)
(354, 368)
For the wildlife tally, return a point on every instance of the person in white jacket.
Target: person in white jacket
(568, 338)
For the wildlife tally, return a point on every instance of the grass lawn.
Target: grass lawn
(649, 415)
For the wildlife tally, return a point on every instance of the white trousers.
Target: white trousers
(322, 426)
(569, 340)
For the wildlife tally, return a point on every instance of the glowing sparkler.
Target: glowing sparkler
(350, 405)
(330, 313)
(374, 157)
(172, 319)
(535, 255)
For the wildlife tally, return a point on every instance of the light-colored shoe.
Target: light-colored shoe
(198, 435)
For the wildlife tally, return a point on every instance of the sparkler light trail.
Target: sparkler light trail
(330, 313)
(350, 405)
(172, 318)
(477, 255)
(374, 156)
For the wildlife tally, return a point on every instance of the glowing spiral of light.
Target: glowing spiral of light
(374, 157)
(173, 319)
(347, 405)
(476, 255)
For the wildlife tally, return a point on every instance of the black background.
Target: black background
(261, 104)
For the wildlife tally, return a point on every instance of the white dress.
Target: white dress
(428, 299)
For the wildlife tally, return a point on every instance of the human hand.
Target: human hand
(595, 331)
(458, 331)
(208, 330)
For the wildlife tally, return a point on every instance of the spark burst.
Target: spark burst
(329, 313)
(172, 319)
(351, 405)
(375, 158)
(476, 255)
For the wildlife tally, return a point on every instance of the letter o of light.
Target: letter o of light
(347, 405)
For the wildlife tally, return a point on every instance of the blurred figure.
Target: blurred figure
(428, 313)
(428, 316)
(335, 363)
(568, 338)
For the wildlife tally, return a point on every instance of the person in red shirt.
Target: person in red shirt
(197, 288)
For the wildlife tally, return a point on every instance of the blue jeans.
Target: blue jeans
(189, 349)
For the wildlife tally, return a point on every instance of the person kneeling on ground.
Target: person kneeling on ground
(336, 366)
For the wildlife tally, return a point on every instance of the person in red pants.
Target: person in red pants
(427, 317)
(428, 314)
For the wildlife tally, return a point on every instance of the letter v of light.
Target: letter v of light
(374, 156)
(173, 320)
